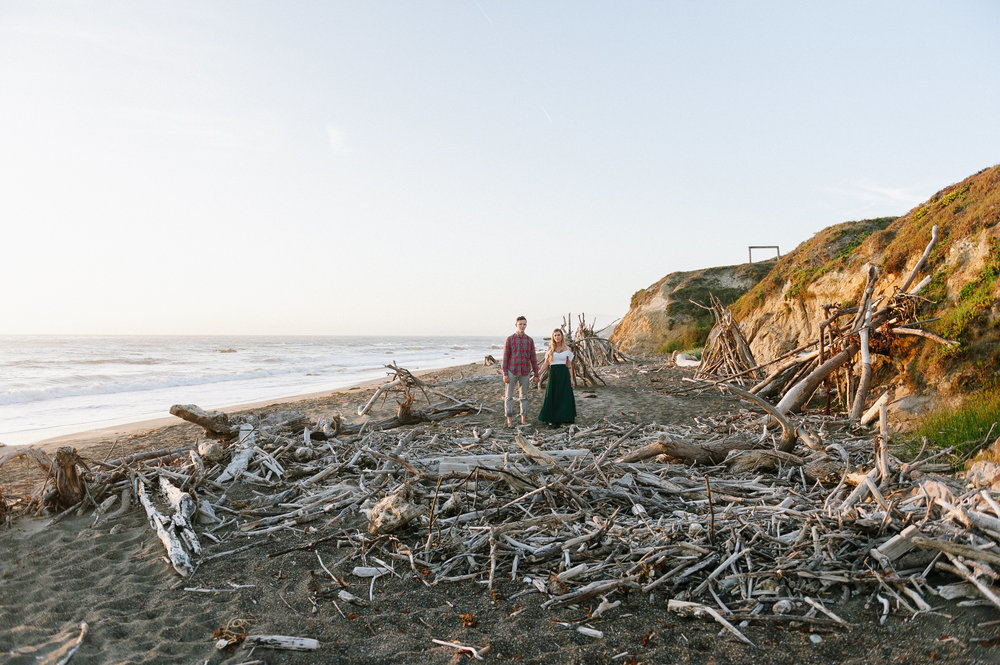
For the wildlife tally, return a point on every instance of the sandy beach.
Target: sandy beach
(114, 577)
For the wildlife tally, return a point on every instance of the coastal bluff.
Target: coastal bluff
(662, 317)
(781, 304)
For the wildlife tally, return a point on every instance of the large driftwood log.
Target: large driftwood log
(800, 393)
(179, 558)
(184, 509)
(866, 358)
(713, 453)
(216, 423)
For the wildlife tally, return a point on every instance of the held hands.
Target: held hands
(506, 379)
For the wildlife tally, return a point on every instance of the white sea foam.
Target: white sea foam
(53, 385)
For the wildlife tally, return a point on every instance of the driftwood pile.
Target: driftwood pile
(590, 351)
(727, 352)
(580, 516)
(847, 339)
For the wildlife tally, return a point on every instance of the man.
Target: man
(520, 365)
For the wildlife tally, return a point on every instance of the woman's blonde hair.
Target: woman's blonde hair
(552, 346)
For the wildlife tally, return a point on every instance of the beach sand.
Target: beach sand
(114, 577)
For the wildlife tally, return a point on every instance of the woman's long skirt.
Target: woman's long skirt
(559, 406)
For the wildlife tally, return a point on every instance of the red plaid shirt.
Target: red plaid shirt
(519, 357)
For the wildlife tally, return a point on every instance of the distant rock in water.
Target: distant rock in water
(226, 350)
(662, 317)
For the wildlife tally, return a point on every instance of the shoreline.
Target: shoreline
(96, 435)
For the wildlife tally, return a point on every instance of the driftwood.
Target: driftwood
(70, 486)
(727, 352)
(795, 377)
(864, 332)
(163, 526)
(749, 534)
(216, 423)
(282, 642)
(590, 351)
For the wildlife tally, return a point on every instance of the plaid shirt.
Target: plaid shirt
(519, 357)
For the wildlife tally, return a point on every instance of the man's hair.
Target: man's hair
(520, 318)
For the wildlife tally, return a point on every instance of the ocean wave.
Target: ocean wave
(95, 387)
(66, 362)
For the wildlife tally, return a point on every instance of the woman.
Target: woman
(559, 407)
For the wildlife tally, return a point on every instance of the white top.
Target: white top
(561, 357)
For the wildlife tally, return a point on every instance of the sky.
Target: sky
(399, 167)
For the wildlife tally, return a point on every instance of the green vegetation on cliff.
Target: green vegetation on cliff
(830, 249)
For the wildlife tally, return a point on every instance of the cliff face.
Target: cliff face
(782, 309)
(662, 317)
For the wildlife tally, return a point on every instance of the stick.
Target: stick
(282, 642)
(79, 640)
(461, 647)
(683, 605)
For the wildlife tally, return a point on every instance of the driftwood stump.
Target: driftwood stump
(70, 486)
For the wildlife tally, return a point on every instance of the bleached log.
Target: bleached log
(463, 464)
(394, 512)
(282, 642)
(872, 412)
(896, 546)
(184, 509)
(788, 433)
(800, 393)
(241, 457)
(923, 333)
(866, 359)
(179, 558)
(921, 285)
(362, 410)
(920, 263)
(534, 453)
(216, 423)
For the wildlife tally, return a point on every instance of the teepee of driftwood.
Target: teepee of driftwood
(590, 351)
(727, 353)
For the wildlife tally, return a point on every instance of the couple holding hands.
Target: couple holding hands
(520, 366)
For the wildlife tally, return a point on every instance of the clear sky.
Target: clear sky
(441, 167)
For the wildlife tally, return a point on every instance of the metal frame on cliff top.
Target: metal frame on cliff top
(750, 249)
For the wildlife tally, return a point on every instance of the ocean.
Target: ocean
(52, 385)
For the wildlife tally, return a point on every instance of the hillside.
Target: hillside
(783, 310)
(662, 317)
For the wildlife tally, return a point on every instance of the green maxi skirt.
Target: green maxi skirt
(559, 406)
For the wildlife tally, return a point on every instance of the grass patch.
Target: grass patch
(691, 338)
(963, 427)
(974, 300)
